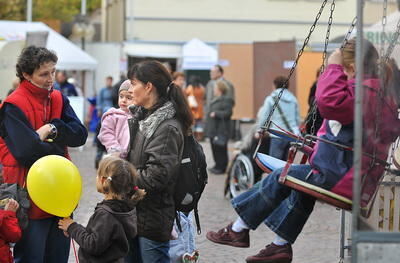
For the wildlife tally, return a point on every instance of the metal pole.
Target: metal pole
(357, 129)
(83, 7)
(29, 11)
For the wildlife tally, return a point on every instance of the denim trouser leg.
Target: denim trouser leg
(185, 242)
(41, 242)
(278, 148)
(284, 210)
(153, 252)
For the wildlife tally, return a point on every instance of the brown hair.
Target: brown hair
(31, 58)
(177, 74)
(370, 56)
(154, 72)
(280, 81)
(221, 86)
(121, 178)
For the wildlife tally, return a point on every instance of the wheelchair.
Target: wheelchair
(243, 172)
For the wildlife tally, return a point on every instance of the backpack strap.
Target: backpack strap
(196, 216)
(178, 220)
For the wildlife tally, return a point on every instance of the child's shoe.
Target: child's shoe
(191, 258)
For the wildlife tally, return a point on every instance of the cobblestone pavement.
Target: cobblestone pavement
(318, 243)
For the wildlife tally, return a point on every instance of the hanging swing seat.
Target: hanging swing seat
(268, 164)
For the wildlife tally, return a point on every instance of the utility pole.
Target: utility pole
(29, 11)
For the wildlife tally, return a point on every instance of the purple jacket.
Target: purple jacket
(335, 97)
(114, 132)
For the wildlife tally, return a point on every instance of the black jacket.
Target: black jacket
(219, 125)
(157, 160)
(105, 238)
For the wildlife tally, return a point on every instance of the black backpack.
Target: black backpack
(191, 180)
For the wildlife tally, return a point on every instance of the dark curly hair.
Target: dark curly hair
(32, 58)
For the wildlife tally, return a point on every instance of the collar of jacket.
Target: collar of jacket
(37, 92)
(149, 125)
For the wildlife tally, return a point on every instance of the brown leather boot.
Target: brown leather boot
(273, 254)
(227, 236)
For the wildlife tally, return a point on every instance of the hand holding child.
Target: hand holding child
(64, 223)
(12, 205)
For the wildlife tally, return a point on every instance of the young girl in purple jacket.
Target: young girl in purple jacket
(284, 210)
(114, 132)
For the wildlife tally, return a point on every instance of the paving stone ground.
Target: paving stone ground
(318, 242)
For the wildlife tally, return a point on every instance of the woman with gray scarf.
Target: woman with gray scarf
(161, 119)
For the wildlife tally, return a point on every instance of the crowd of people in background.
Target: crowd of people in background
(140, 123)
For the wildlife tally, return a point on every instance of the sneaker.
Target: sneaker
(227, 236)
(273, 254)
(191, 258)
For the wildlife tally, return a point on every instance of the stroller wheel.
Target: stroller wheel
(241, 175)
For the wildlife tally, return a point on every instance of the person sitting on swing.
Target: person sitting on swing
(284, 210)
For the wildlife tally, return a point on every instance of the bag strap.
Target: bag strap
(285, 121)
(196, 216)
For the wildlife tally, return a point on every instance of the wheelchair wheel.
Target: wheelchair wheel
(241, 175)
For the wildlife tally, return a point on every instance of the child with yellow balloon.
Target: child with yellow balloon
(113, 223)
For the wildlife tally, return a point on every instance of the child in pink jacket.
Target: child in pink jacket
(114, 132)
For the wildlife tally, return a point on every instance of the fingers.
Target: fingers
(12, 205)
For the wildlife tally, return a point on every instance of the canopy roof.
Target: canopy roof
(198, 55)
(70, 56)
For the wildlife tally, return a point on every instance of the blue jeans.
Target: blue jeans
(278, 148)
(185, 242)
(41, 242)
(144, 250)
(282, 209)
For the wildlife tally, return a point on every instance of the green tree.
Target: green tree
(12, 10)
(63, 10)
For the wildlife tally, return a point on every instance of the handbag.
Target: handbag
(221, 139)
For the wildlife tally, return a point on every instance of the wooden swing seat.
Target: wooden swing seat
(268, 164)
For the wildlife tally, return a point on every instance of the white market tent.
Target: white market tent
(70, 56)
(198, 55)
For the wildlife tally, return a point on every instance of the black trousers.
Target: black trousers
(220, 155)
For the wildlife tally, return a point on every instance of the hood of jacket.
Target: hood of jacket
(123, 212)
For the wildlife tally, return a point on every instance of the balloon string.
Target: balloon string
(73, 246)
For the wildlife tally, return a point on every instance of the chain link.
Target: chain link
(267, 124)
(346, 38)
(314, 108)
(393, 42)
(328, 32)
(384, 19)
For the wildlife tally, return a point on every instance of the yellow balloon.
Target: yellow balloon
(55, 185)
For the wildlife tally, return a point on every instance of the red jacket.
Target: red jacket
(9, 233)
(39, 106)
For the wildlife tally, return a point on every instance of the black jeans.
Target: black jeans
(220, 155)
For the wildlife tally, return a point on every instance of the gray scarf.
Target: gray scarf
(149, 125)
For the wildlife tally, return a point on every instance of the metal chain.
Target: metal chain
(393, 42)
(267, 124)
(380, 95)
(328, 32)
(346, 38)
(314, 109)
(384, 19)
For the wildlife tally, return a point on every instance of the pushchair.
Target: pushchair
(243, 172)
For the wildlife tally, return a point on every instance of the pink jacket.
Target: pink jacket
(114, 132)
(335, 97)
